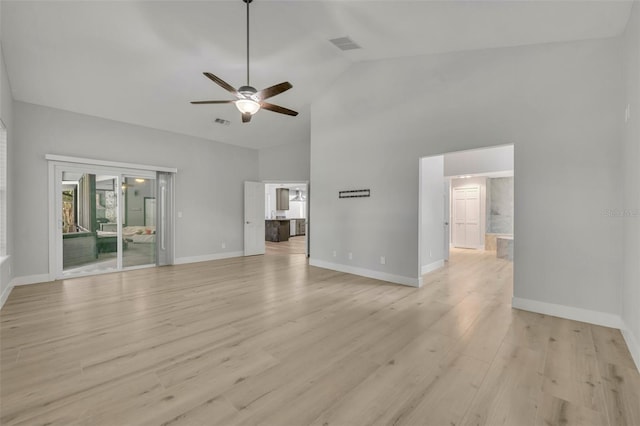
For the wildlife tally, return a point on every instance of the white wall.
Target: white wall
(432, 212)
(631, 204)
(6, 115)
(209, 183)
(478, 161)
(297, 209)
(558, 103)
(288, 163)
(480, 181)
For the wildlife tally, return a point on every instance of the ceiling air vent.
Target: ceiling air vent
(345, 43)
(222, 121)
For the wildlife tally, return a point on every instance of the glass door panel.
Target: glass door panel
(89, 222)
(139, 230)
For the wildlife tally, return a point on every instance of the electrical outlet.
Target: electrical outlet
(350, 256)
(223, 245)
(334, 253)
(430, 253)
(383, 260)
(179, 214)
(627, 113)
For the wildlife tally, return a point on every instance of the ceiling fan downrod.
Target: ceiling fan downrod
(248, 2)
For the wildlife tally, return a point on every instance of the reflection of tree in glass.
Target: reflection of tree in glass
(68, 216)
(111, 206)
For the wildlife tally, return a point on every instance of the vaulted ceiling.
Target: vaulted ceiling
(141, 62)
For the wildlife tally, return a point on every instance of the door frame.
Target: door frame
(57, 163)
(449, 176)
(307, 226)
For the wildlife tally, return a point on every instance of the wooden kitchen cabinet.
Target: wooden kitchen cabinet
(276, 230)
(282, 199)
(297, 227)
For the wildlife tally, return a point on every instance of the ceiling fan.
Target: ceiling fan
(249, 100)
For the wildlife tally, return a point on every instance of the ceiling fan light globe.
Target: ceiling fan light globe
(247, 106)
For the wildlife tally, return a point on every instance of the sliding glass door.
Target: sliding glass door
(105, 219)
(139, 230)
(87, 203)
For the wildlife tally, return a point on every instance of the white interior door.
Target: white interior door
(459, 218)
(472, 231)
(254, 218)
(466, 217)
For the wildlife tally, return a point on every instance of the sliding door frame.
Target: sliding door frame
(56, 165)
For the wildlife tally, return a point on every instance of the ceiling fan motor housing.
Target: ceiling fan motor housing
(247, 91)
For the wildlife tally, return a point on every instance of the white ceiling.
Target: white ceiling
(141, 62)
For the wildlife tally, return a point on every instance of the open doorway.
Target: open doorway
(466, 203)
(286, 218)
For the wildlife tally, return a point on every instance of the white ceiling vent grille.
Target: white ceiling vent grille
(345, 43)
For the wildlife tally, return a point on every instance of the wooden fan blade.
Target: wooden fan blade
(211, 102)
(277, 108)
(273, 90)
(220, 82)
(246, 118)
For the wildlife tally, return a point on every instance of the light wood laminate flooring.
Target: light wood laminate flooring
(295, 245)
(270, 340)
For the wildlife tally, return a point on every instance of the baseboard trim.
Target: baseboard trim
(207, 257)
(369, 273)
(632, 343)
(432, 266)
(5, 279)
(31, 279)
(569, 312)
(583, 315)
(5, 295)
(26, 280)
